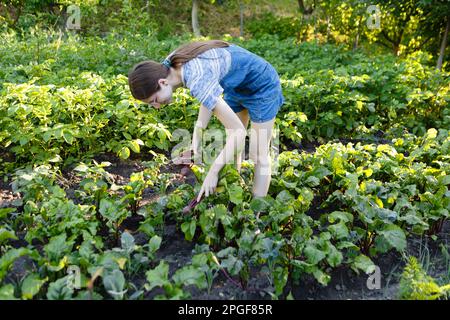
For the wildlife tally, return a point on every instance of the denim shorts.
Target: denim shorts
(259, 109)
(252, 84)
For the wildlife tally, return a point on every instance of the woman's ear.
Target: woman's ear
(162, 82)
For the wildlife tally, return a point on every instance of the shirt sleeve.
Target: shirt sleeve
(202, 76)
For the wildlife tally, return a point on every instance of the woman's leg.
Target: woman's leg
(243, 115)
(260, 137)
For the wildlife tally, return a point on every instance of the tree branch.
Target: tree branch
(386, 36)
(384, 44)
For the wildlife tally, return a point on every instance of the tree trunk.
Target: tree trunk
(358, 32)
(305, 24)
(307, 15)
(396, 49)
(195, 25)
(443, 46)
(303, 9)
(355, 43)
(241, 15)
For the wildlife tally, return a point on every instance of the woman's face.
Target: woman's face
(163, 96)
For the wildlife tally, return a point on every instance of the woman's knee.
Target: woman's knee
(260, 158)
(264, 165)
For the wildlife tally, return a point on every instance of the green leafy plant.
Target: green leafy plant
(415, 284)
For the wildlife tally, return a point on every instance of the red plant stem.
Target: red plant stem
(231, 279)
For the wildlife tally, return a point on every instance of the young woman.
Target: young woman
(251, 89)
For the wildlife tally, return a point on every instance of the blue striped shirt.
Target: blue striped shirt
(202, 74)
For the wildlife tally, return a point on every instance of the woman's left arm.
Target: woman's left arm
(235, 142)
(204, 116)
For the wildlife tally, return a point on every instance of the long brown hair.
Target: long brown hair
(143, 77)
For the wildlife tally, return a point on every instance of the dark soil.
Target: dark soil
(7, 197)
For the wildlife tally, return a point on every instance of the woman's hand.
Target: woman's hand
(209, 184)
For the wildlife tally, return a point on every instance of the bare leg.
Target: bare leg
(260, 137)
(243, 115)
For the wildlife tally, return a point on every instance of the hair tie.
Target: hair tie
(166, 62)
